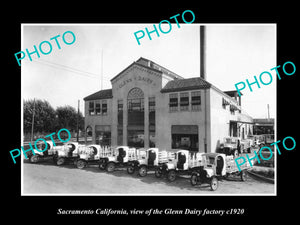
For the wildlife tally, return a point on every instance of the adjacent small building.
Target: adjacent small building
(263, 126)
(151, 106)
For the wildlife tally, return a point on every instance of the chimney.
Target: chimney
(202, 52)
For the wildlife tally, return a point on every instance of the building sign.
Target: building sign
(184, 129)
(103, 128)
(136, 78)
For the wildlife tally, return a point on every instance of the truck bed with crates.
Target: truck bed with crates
(231, 166)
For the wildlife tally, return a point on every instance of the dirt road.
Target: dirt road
(46, 178)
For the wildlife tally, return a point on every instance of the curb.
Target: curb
(266, 179)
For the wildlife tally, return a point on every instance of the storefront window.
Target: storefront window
(185, 137)
(136, 138)
(103, 138)
(103, 135)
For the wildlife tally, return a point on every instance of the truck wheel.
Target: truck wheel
(110, 167)
(80, 164)
(194, 179)
(171, 176)
(34, 158)
(130, 169)
(243, 175)
(158, 173)
(60, 161)
(143, 171)
(214, 183)
(235, 153)
(102, 166)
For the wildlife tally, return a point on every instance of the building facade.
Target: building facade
(151, 106)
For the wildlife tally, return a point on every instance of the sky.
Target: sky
(234, 53)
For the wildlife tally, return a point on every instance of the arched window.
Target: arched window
(89, 131)
(135, 100)
(135, 93)
(135, 104)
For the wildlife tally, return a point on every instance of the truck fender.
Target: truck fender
(195, 173)
(209, 172)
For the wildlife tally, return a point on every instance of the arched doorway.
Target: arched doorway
(88, 134)
(135, 126)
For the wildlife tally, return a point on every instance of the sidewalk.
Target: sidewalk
(58, 142)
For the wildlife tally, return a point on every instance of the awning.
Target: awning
(235, 121)
(184, 129)
(103, 128)
(264, 124)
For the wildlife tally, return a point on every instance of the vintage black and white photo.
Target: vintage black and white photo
(161, 116)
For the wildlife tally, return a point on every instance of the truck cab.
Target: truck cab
(213, 166)
(178, 164)
(231, 146)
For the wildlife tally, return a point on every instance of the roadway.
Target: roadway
(47, 178)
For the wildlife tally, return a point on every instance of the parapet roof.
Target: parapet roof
(178, 84)
(103, 94)
(152, 66)
(186, 84)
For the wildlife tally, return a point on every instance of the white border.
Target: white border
(140, 24)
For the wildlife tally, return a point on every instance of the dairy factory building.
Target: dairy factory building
(151, 106)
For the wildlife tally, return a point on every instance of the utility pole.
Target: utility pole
(78, 121)
(32, 122)
(101, 69)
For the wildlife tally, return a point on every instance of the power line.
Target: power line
(68, 68)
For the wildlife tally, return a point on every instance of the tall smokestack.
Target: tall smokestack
(202, 52)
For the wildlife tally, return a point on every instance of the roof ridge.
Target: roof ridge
(102, 94)
(171, 73)
(185, 84)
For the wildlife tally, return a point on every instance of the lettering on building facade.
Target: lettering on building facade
(147, 80)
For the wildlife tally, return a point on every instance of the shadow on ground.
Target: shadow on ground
(182, 182)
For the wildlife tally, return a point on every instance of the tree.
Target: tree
(48, 120)
(44, 116)
(67, 118)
